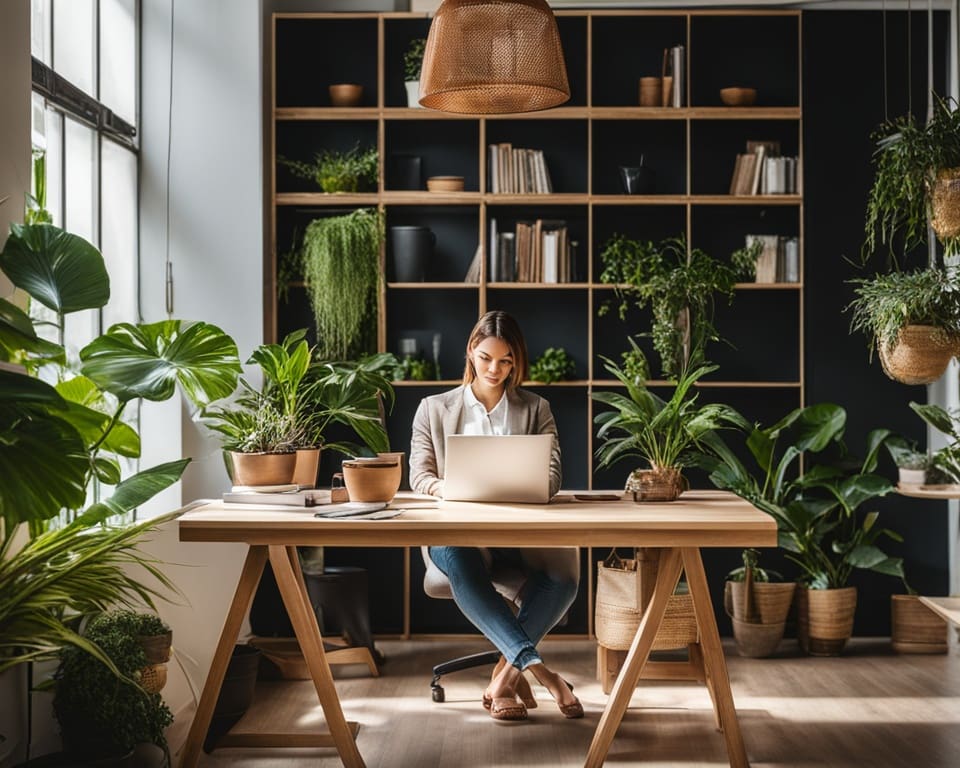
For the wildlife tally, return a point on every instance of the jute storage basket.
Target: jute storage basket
(623, 594)
(825, 619)
(771, 600)
(919, 356)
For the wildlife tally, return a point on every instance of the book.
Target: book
(767, 259)
(308, 498)
(473, 271)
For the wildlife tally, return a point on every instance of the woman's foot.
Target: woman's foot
(560, 689)
(519, 683)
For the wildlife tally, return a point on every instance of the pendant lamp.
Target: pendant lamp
(492, 57)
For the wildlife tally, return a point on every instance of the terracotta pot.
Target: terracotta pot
(372, 479)
(825, 619)
(914, 628)
(945, 203)
(919, 356)
(306, 467)
(263, 468)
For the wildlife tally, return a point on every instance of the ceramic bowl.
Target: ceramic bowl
(372, 479)
(345, 94)
(445, 184)
(738, 97)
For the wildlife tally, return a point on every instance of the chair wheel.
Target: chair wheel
(437, 694)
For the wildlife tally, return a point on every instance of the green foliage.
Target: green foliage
(944, 465)
(413, 58)
(666, 434)
(818, 512)
(414, 369)
(888, 302)
(907, 159)
(751, 558)
(635, 366)
(352, 171)
(101, 714)
(340, 259)
(671, 281)
(36, 211)
(553, 365)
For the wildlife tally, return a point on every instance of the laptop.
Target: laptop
(498, 468)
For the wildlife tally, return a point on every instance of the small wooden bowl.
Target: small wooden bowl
(738, 97)
(346, 94)
(445, 184)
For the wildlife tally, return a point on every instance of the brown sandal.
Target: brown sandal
(504, 708)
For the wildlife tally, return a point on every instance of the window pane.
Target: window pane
(81, 205)
(118, 57)
(40, 28)
(73, 42)
(118, 230)
(53, 133)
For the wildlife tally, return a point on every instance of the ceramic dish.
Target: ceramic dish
(738, 97)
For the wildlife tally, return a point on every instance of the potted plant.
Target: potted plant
(757, 606)
(412, 64)
(663, 433)
(339, 258)
(917, 177)
(913, 320)
(818, 512)
(553, 365)
(679, 287)
(103, 716)
(353, 171)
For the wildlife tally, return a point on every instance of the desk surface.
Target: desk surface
(697, 519)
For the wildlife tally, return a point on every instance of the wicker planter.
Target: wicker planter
(945, 203)
(263, 468)
(825, 619)
(772, 600)
(664, 484)
(756, 641)
(919, 356)
(914, 627)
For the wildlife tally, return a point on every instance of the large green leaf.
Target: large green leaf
(63, 272)
(18, 388)
(148, 360)
(86, 411)
(18, 337)
(134, 491)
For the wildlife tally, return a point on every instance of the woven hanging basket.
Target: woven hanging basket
(945, 203)
(655, 484)
(153, 678)
(493, 56)
(919, 356)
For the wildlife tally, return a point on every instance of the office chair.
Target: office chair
(508, 582)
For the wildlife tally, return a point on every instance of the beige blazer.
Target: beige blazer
(441, 415)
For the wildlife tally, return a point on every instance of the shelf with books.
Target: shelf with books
(562, 145)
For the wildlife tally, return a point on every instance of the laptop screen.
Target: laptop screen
(498, 468)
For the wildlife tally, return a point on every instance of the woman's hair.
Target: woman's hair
(501, 326)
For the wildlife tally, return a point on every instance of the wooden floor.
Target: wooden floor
(868, 708)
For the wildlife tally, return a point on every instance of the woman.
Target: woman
(490, 401)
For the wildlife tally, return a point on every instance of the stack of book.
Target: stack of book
(516, 171)
(762, 171)
(537, 251)
(779, 258)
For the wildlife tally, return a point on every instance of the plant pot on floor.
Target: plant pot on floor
(236, 693)
(919, 356)
(914, 628)
(758, 629)
(825, 619)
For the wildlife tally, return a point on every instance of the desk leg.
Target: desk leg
(713, 661)
(308, 634)
(249, 578)
(668, 573)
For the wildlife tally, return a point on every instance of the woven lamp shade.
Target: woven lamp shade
(492, 57)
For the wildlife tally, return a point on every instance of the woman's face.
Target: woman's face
(493, 363)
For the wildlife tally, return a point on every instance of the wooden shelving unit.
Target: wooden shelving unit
(692, 149)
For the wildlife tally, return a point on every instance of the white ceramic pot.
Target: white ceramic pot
(912, 476)
(413, 93)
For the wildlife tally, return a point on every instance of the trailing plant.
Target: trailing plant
(907, 160)
(413, 58)
(352, 171)
(679, 287)
(888, 302)
(553, 365)
(664, 433)
(818, 512)
(341, 265)
(99, 713)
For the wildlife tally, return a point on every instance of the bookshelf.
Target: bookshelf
(691, 150)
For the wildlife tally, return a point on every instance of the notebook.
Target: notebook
(498, 468)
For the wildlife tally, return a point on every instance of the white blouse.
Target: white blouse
(478, 421)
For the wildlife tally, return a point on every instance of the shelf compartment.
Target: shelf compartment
(397, 34)
(758, 327)
(716, 144)
(658, 146)
(456, 230)
(444, 149)
(564, 146)
(420, 314)
(720, 231)
(302, 141)
(643, 223)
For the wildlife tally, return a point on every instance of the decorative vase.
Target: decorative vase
(637, 179)
(411, 248)
(825, 619)
(413, 93)
(920, 354)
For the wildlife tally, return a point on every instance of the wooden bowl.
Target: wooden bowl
(346, 94)
(445, 184)
(738, 97)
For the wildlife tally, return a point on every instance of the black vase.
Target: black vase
(411, 248)
(637, 179)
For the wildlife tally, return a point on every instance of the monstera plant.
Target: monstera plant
(63, 436)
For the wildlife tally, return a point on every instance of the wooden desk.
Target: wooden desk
(681, 528)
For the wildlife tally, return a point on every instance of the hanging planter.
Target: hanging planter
(919, 356)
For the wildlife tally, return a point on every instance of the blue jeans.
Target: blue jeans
(544, 600)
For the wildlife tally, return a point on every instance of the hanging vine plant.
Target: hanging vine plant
(341, 266)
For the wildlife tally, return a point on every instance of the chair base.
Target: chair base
(456, 665)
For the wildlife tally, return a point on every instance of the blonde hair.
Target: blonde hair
(500, 325)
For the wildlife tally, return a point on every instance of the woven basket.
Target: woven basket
(825, 619)
(945, 203)
(153, 678)
(919, 356)
(617, 627)
(655, 484)
(914, 627)
(772, 600)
